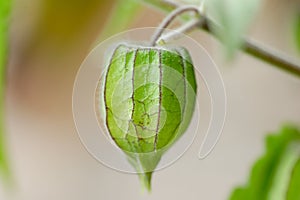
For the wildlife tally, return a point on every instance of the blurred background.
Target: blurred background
(49, 40)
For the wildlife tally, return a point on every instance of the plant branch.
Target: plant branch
(250, 46)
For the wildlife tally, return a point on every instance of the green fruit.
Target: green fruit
(149, 97)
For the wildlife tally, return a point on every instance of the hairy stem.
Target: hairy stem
(250, 46)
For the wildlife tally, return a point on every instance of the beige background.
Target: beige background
(48, 160)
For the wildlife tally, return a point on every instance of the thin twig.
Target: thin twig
(186, 28)
(249, 46)
(168, 20)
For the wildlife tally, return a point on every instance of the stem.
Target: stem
(290, 65)
(167, 21)
(189, 26)
(249, 46)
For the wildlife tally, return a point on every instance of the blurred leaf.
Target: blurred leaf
(191, 2)
(234, 18)
(4, 13)
(62, 25)
(159, 4)
(276, 175)
(297, 31)
(121, 17)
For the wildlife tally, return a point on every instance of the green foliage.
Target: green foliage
(149, 98)
(191, 2)
(234, 18)
(121, 17)
(276, 175)
(4, 14)
(159, 4)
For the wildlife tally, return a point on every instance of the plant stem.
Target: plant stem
(269, 55)
(250, 46)
(168, 20)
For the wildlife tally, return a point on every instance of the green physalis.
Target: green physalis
(149, 97)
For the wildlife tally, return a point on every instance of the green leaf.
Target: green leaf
(121, 17)
(276, 175)
(293, 192)
(149, 98)
(234, 18)
(4, 14)
(191, 2)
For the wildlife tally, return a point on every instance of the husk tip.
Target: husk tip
(145, 179)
